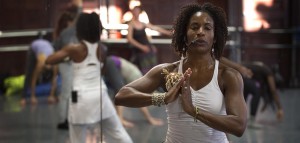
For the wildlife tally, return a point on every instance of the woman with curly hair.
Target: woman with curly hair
(203, 97)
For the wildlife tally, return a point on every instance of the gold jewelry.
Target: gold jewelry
(197, 113)
(172, 78)
(158, 99)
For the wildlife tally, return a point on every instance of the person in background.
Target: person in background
(37, 71)
(126, 73)
(203, 97)
(144, 53)
(266, 88)
(127, 16)
(64, 21)
(89, 104)
(259, 81)
(65, 34)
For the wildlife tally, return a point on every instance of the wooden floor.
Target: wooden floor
(37, 124)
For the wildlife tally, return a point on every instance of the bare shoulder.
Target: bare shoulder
(131, 23)
(229, 76)
(228, 72)
(72, 47)
(154, 78)
(74, 50)
(165, 66)
(171, 67)
(157, 72)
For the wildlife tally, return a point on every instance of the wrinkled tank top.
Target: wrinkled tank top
(181, 126)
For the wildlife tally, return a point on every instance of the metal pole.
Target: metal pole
(101, 123)
(294, 79)
(107, 9)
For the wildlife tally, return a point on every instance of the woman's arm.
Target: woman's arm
(235, 120)
(59, 56)
(135, 43)
(273, 90)
(36, 72)
(77, 3)
(159, 29)
(139, 92)
(54, 81)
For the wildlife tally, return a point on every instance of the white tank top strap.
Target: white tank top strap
(216, 70)
(92, 51)
(180, 65)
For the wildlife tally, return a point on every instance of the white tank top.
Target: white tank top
(87, 73)
(87, 79)
(181, 126)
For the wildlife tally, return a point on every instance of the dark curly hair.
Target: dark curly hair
(88, 27)
(182, 20)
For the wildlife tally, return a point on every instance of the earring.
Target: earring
(185, 41)
(183, 52)
(213, 48)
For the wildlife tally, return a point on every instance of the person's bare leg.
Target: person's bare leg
(263, 108)
(152, 120)
(33, 100)
(272, 85)
(125, 123)
(51, 99)
(36, 73)
(23, 102)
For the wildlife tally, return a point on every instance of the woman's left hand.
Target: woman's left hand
(246, 72)
(154, 49)
(186, 98)
(279, 114)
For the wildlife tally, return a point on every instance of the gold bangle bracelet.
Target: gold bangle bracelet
(197, 113)
(158, 99)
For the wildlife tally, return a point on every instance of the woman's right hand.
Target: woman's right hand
(279, 114)
(145, 49)
(174, 91)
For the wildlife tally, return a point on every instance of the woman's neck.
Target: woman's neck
(197, 61)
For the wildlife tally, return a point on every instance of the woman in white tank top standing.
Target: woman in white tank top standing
(203, 98)
(87, 108)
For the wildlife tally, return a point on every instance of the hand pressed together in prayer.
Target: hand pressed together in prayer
(186, 98)
(173, 92)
